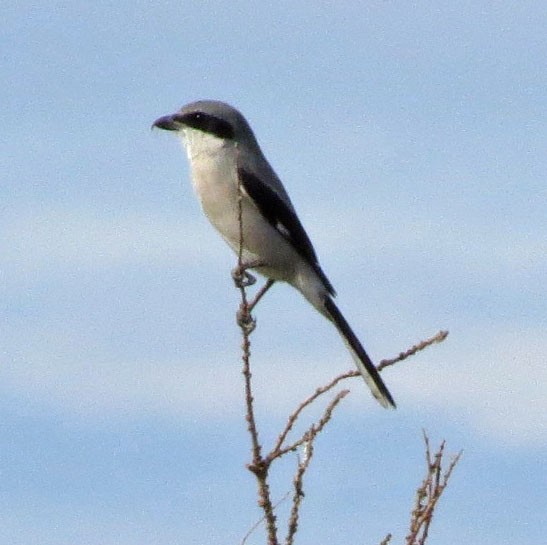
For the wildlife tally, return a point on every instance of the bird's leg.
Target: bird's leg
(242, 278)
(260, 293)
(243, 316)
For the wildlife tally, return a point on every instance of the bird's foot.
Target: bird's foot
(261, 292)
(242, 277)
(244, 319)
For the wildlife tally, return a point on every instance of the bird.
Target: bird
(234, 181)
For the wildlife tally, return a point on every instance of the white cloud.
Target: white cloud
(119, 390)
(497, 386)
(495, 380)
(61, 239)
(496, 383)
(465, 248)
(58, 239)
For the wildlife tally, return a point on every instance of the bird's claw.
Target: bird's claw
(242, 278)
(244, 320)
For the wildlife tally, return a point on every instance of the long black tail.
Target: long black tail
(364, 363)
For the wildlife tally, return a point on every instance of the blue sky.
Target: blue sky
(412, 139)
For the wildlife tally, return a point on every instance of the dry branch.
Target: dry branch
(260, 464)
(429, 493)
(438, 338)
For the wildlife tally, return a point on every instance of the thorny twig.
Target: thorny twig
(294, 416)
(247, 325)
(439, 337)
(307, 441)
(298, 494)
(260, 464)
(261, 520)
(429, 493)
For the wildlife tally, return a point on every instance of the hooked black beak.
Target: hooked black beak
(167, 123)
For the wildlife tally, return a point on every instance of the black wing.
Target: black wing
(283, 218)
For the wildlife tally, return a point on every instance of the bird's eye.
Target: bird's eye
(208, 123)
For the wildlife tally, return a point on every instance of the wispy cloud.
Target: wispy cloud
(60, 239)
(497, 386)
(495, 380)
(469, 246)
(497, 383)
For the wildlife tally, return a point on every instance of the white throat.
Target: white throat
(199, 144)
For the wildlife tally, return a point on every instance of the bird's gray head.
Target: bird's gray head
(209, 117)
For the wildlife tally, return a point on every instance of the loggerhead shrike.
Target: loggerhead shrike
(225, 158)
